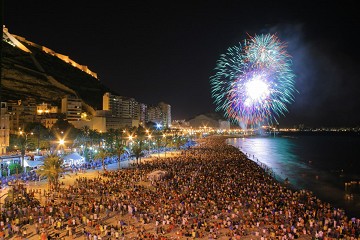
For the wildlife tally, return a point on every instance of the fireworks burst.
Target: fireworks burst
(254, 82)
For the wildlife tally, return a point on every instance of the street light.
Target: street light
(24, 147)
(38, 139)
(91, 149)
(61, 144)
(130, 137)
(164, 136)
(8, 162)
(149, 139)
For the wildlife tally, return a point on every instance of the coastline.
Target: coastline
(308, 163)
(267, 169)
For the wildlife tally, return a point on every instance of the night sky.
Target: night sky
(166, 51)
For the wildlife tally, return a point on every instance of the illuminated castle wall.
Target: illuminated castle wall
(16, 41)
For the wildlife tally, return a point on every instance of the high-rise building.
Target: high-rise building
(15, 110)
(113, 104)
(143, 113)
(130, 109)
(160, 114)
(4, 128)
(20, 113)
(166, 110)
(155, 114)
(119, 106)
(29, 112)
(71, 106)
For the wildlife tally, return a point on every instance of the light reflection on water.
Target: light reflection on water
(292, 158)
(277, 155)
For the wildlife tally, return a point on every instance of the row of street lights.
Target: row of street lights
(131, 138)
(145, 136)
(24, 145)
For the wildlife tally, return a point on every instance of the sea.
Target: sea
(325, 163)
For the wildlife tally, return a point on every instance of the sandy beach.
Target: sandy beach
(211, 191)
(68, 180)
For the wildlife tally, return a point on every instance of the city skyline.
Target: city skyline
(156, 52)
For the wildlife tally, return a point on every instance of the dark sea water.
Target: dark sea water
(319, 162)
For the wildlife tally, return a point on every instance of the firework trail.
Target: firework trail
(254, 82)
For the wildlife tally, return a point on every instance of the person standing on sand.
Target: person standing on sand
(43, 236)
(24, 232)
(36, 228)
(9, 230)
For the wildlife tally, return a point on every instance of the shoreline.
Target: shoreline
(312, 166)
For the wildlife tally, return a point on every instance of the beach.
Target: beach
(210, 191)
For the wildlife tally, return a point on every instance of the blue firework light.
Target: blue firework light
(253, 82)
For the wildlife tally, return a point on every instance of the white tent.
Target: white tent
(74, 158)
(29, 163)
(157, 175)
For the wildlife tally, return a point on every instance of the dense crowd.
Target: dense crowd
(210, 191)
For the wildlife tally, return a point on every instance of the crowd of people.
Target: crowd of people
(210, 191)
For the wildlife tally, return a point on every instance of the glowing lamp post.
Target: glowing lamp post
(130, 137)
(130, 140)
(149, 139)
(164, 136)
(8, 167)
(24, 147)
(91, 150)
(61, 145)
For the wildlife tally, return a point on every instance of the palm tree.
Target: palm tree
(140, 134)
(87, 138)
(52, 170)
(102, 154)
(110, 137)
(158, 141)
(41, 137)
(95, 137)
(137, 151)
(166, 139)
(119, 149)
(178, 141)
(83, 141)
(23, 143)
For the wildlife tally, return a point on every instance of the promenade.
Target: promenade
(69, 178)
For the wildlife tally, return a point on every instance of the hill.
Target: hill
(45, 77)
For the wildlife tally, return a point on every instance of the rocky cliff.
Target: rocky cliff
(46, 78)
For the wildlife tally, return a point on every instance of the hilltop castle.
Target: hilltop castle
(15, 40)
